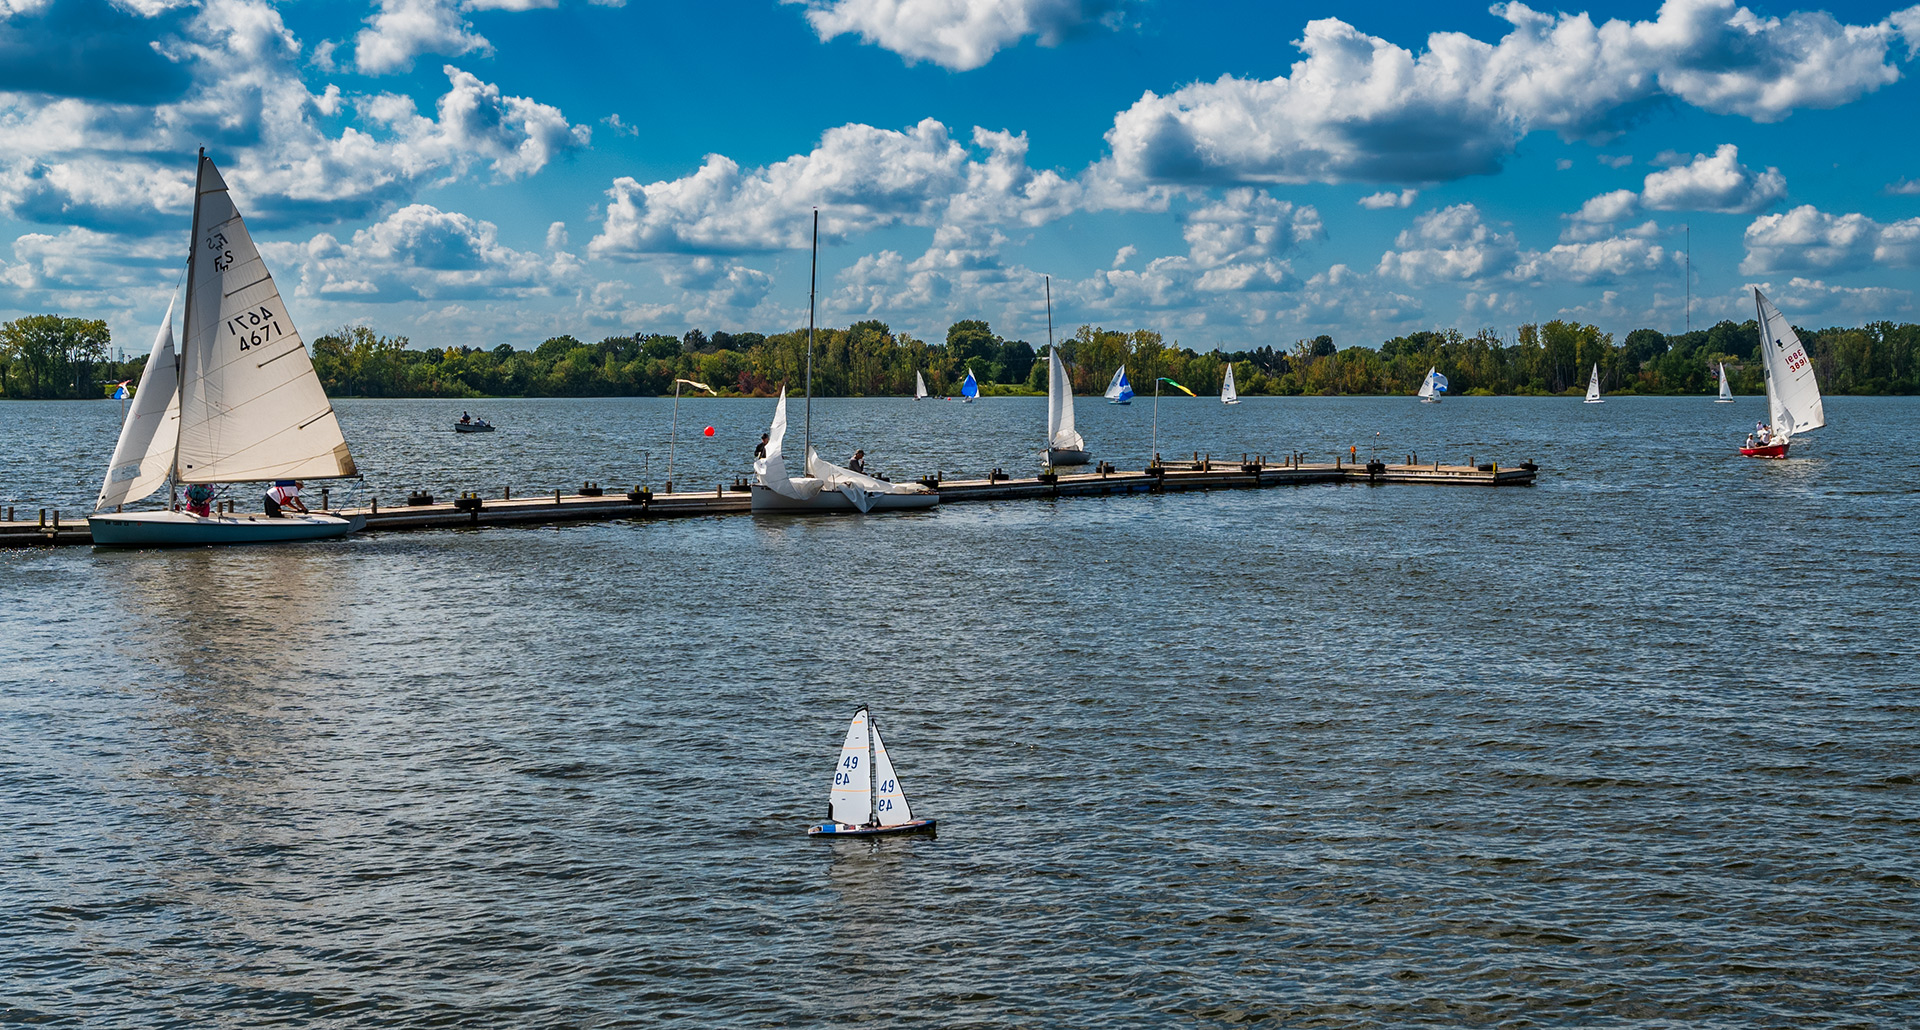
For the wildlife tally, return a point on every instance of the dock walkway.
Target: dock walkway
(57, 528)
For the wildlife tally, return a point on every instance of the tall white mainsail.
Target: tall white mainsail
(1593, 385)
(919, 386)
(1229, 395)
(852, 797)
(144, 455)
(1793, 396)
(251, 407)
(1060, 433)
(889, 797)
(1725, 393)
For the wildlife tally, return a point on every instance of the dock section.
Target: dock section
(471, 510)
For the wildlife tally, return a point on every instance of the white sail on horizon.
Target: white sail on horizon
(889, 797)
(1060, 432)
(852, 797)
(1229, 395)
(1593, 385)
(1432, 386)
(1118, 389)
(143, 457)
(1793, 394)
(251, 407)
(919, 386)
(1726, 394)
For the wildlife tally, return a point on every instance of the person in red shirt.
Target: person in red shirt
(284, 493)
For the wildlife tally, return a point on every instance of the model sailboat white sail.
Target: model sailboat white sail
(1593, 386)
(1119, 390)
(1432, 387)
(1229, 395)
(824, 486)
(1064, 444)
(1726, 395)
(867, 799)
(240, 404)
(919, 386)
(1793, 394)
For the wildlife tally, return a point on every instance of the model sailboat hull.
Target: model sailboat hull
(844, 830)
(185, 529)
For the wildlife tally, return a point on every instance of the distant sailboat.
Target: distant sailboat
(1793, 394)
(1064, 445)
(238, 402)
(919, 386)
(969, 390)
(824, 487)
(867, 799)
(1593, 386)
(1726, 395)
(1229, 395)
(1432, 387)
(1119, 391)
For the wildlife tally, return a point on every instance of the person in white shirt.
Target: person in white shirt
(284, 493)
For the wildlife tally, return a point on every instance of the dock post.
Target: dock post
(324, 491)
(43, 518)
(56, 520)
(373, 505)
(506, 494)
(556, 495)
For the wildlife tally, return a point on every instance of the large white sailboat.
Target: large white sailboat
(1726, 394)
(1432, 387)
(237, 402)
(825, 487)
(1793, 394)
(1119, 390)
(1593, 386)
(867, 799)
(1229, 395)
(1065, 446)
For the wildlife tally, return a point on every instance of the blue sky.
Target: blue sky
(1230, 174)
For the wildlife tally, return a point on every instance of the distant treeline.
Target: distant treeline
(50, 356)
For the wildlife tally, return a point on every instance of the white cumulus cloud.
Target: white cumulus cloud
(1389, 199)
(1809, 238)
(423, 253)
(1717, 183)
(956, 34)
(1451, 244)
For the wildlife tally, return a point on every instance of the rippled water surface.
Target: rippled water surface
(1634, 747)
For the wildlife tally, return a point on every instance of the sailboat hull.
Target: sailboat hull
(184, 529)
(1775, 450)
(844, 830)
(1111, 400)
(1062, 458)
(763, 499)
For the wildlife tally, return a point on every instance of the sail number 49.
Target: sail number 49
(254, 328)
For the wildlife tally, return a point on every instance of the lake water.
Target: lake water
(1634, 747)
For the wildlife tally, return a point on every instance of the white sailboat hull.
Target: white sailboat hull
(845, 830)
(184, 529)
(1061, 458)
(764, 499)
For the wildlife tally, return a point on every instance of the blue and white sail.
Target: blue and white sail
(970, 389)
(1432, 387)
(1119, 390)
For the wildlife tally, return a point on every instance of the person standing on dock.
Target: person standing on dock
(760, 449)
(285, 493)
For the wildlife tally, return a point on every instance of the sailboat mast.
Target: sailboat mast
(1049, 282)
(1689, 278)
(813, 278)
(186, 324)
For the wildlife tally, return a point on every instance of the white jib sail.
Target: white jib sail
(1113, 385)
(1426, 386)
(1593, 384)
(251, 407)
(144, 455)
(1060, 434)
(889, 798)
(919, 386)
(1227, 393)
(1793, 396)
(852, 779)
(1725, 393)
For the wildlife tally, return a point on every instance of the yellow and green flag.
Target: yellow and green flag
(1177, 386)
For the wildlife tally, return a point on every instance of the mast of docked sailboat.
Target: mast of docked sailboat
(186, 326)
(813, 276)
(1689, 229)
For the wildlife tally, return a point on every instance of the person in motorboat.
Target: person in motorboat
(200, 500)
(858, 463)
(285, 493)
(466, 419)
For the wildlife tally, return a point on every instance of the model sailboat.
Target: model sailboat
(1229, 395)
(867, 799)
(1432, 387)
(1064, 445)
(824, 486)
(1593, 386)
(1119, 390)
(1793, 394)
(238, 402)
(1726, 395)
(919, 386)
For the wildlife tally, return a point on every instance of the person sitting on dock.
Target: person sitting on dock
(200, 500)
(285, 493)
(760, 449)
(858, 463)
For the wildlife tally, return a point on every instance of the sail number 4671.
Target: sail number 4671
(254, 327)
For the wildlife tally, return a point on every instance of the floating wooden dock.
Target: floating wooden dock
(54, 527)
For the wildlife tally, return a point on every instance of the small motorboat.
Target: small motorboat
(867, 799)
(478, 425)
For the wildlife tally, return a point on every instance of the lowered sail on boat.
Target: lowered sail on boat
(1432, 387)
(1229, 395)
(867, 799)
(1119, 390)
(1064, 445)
(1726, 395)
(825, 486)
(1793, 394)
(1593, 386)
(238, 402)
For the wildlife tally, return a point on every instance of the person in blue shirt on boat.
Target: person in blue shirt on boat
(285, 493)
(200, 500)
